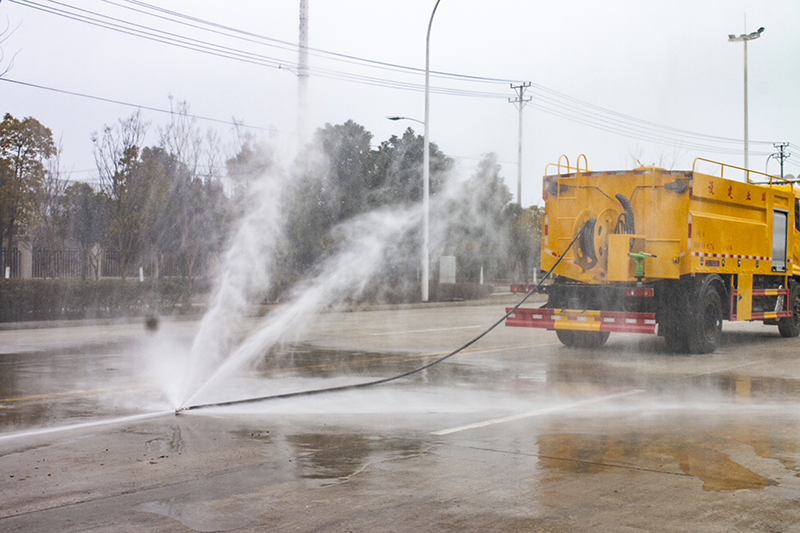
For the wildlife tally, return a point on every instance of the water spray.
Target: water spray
(356, 386)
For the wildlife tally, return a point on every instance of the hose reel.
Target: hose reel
(592, 245)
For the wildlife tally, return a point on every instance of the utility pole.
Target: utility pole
(302, 77)
(781, 156)
(520, 100)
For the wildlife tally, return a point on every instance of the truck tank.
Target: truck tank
(672, 252)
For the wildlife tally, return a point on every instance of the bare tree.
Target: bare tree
(191, 225)
(49, 206)
(116, 154)
(181, 138)
(5, 33)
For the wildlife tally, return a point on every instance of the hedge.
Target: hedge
(64, 299)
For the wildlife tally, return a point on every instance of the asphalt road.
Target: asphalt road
(515, 434)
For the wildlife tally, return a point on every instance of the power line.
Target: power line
(286, 45)
(546, 100)
(137, 106)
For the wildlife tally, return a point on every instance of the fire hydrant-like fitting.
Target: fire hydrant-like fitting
(638, 258)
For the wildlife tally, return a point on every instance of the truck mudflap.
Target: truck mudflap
(580, 320)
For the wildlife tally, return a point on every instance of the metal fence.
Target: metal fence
(11, 260)
(69, 263)
(56, 263)
(161, 266)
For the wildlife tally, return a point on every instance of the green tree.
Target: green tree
(84, 222)
(252, 160)
(479, 222)
(24, 147)
(398, 170)
(331, 186)
(525, 239)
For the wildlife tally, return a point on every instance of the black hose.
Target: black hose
(398, 376)
(630, 226)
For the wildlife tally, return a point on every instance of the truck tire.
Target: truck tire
(582, 339)
(676, 339)
(790, 326)
(704, 324)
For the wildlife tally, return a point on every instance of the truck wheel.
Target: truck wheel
(582, 339)
(790, 326)
(676, 339)
(705, 322)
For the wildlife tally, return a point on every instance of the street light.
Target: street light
(426, 163)
(405, 118)
(744, 38)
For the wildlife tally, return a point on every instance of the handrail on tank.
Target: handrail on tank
(585, 163)
(567, 167)
(746, 171)
(559, 163)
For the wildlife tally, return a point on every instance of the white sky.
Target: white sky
(665, 62)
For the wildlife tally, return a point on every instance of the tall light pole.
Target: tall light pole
(426, 164)
(744, 38)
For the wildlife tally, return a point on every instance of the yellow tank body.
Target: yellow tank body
(679, 249)
(691, 222)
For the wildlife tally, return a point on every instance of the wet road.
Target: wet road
(515, 434)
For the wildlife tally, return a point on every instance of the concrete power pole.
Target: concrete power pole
(782, 154)
(520, 100)
(302, 77)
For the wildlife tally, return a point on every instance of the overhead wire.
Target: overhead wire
(137, 106)
(545, 99)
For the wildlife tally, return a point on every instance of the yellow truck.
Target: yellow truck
(676, 252)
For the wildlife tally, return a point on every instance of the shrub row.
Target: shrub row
(63, 299)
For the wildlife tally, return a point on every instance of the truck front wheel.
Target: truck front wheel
(790, 326)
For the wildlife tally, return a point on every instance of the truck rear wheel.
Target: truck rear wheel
(582, 339)
(704, 324)
(790, 326)
(675, 338)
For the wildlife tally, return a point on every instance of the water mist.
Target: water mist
(243, 277)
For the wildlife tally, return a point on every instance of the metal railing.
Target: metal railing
(747, 172)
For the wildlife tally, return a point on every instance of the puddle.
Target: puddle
(569, 453)
(334, 458)
(568, 375)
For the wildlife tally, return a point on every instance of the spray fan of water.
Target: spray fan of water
(367, 245)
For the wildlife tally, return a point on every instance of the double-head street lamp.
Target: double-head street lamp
(744, 38)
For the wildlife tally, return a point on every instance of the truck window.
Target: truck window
(780, 226)
(797, 214)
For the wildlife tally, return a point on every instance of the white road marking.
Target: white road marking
(540, 412)
(422, 331)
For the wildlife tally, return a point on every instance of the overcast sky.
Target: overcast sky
(618, 81)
